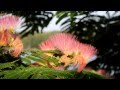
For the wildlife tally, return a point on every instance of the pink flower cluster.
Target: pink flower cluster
(69, 45)
(8, 24)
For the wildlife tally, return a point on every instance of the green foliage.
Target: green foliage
(86, 25)
(37, 72)
(21, 68)
(70, 18)
(6, 65)
(35, 55)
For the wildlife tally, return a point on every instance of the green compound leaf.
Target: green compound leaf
(37, 72)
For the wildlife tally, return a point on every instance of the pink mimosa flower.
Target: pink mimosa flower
(4, 38)
(16, 46)
(46, 45)
(87, 53)
(8, 25)
(81, 53)
(10, 22)
(63, 42)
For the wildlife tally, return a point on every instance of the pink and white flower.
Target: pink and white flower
(10, 22)
(63, 42)
(69, 45)
(8, 25)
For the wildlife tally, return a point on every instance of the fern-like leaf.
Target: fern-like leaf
(37, 72)
(8, 65)
(36, 55)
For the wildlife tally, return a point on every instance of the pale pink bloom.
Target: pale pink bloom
(10, 22)
(46, 45)
(88, 52)
(63, 42)
(69, 45)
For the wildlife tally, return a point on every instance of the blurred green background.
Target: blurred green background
(32, 41)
